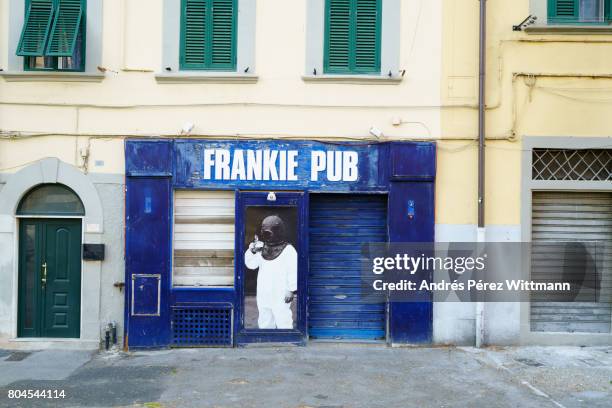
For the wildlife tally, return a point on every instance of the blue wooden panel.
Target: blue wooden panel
(217, 164)
(148, 243)
(338, 226)
(413, 161)
(146, 294)
(202, 294)
(148, 158)
(148, 223)
(411, 322)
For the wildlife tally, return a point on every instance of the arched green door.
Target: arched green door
(49, 263)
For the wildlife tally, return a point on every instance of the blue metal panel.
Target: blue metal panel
(148, 157)
(202, 325)
(411, 219)
(148, 253)
(339, 225)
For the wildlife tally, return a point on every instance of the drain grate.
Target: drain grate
(202, 326)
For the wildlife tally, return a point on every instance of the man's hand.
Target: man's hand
(289, 296)
(254, 247)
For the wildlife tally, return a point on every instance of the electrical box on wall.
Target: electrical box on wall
(93, 252)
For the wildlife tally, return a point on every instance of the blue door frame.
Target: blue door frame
(259, 199)
(155, 168)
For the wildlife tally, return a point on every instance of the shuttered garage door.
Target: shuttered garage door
(577, 218)
(339, 225)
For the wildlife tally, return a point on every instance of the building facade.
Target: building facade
(169, 130)
(548, 158)
(83, 82)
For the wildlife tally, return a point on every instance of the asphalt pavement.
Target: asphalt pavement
(317, 376)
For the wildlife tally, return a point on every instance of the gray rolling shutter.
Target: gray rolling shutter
(203, 238)
(339, 225)
(580, 222)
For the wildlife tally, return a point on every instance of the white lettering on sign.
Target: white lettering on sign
(340, 166)
(279, 165)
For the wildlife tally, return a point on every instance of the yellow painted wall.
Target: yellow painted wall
(130, 102)
(538, 84)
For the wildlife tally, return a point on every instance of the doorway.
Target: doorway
(49, 263)
(270, 266)
(339, 224)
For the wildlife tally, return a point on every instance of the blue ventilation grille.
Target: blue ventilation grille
(202, 326)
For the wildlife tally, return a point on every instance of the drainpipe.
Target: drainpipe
(481, 153)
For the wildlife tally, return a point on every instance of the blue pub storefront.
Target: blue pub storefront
(230, 242)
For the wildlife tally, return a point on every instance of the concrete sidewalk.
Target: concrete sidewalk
(319, 375)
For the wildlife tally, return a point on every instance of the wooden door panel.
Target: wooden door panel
(49, 278)
(62, 292)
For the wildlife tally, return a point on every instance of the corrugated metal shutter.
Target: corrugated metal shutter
(339, 225)
(203, 238)
(571, 217)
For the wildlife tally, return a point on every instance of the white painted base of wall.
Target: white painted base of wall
(455, 322)
(48, 344)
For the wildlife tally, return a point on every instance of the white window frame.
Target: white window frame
(389, 43)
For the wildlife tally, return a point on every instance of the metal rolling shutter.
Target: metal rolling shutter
(203, 238)
(570, 216)
(339, 225)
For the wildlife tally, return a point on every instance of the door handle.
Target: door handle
(44, 275)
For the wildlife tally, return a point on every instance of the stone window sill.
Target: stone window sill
(569, 29)
(354, 79)
(46, 76)
(199, 77)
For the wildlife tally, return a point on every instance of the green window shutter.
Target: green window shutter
(223, 37)
(338, 28)
(352, 40)
(367, 37)
(193, 33)
(35, 32)
(208, 35)
(66, 27)
(563, 11)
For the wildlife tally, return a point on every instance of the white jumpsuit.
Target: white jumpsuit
(274, 280)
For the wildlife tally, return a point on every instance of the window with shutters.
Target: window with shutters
(352, 36)
(53, 35)
(579, 11)
(203, 238)
(208, 35)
